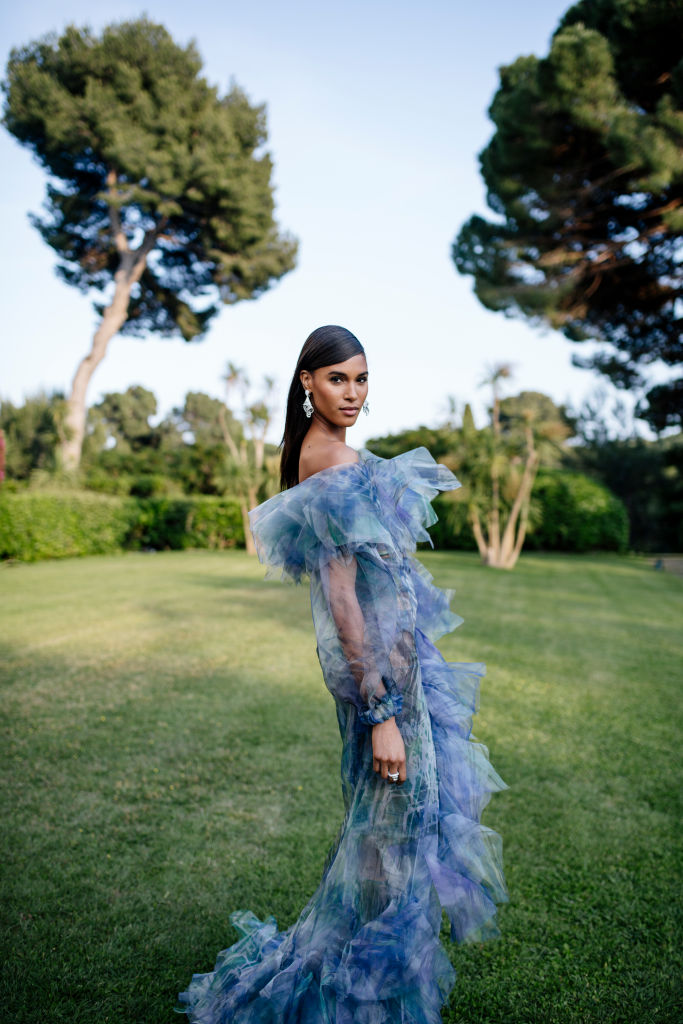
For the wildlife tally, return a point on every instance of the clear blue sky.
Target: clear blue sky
(376, 113)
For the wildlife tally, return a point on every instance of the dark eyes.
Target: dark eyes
(338, 380)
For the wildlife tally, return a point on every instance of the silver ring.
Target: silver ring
(393, 776)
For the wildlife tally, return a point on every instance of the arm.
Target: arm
(387, 743)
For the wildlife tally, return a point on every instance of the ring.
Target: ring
(393, 776)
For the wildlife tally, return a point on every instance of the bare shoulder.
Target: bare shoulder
(318, 456)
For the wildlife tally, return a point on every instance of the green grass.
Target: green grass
(171, 754)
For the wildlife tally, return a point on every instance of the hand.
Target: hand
(388, 751)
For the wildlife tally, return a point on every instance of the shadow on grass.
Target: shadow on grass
(170, 756)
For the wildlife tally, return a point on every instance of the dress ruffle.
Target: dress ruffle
(381, 503)
(366, 948)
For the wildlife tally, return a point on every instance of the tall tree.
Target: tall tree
(585, 175)
(160, 196)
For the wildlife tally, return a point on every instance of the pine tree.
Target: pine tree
(585, 175)
(160, 196)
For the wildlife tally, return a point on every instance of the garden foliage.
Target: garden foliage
(40, 524)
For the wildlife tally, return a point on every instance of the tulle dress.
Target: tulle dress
(366, 948)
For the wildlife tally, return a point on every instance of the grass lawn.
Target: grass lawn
(170, 754)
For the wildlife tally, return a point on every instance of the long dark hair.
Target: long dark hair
(325, 346)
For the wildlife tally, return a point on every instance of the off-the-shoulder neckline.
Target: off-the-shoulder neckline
(360, 461)
(365, 456)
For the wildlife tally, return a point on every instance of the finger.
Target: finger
(402, 773)
(385, 769)
(375, 764)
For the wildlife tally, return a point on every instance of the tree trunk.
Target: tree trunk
(484, 550)
(131, 265)
(521, 534)
(112, 321)
(494, 520)
(248, 538)
(513, 538)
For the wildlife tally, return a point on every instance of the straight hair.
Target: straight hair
(323, 347)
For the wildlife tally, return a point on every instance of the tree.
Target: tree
(646, 475)
(497, 465)
(200, 460)
(585, 175)
(124, 417)
(202, 415)
(32, 433)
(160, 197)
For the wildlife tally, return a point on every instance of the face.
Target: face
(338, 391)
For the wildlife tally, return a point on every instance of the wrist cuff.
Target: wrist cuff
(378, 709)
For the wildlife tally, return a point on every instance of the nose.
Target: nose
(352, 391)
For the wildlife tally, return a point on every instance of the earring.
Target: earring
(366, 407)
(308, 405)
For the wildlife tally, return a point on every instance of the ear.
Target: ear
(306, 379)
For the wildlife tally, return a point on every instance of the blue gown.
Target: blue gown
(366, 948)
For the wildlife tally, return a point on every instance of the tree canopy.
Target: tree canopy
(160, 196)
(585, 174)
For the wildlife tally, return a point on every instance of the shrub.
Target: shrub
(570, 512)
(38, 524)
(192, 522)
(215, 523)
(452, 530)
(102, 482)
(575, 513)
(154, 485)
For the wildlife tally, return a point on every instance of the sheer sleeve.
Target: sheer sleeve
(356, 610)
(349, 529)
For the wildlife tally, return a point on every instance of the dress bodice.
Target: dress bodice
(373, 503)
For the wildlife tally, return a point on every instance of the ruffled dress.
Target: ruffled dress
(366, 948)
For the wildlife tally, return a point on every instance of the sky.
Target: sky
(376, 113)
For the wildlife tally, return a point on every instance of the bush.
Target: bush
(648, 477)
(102, 482)
(571, 512)
(575, 513)
(215, 523)
(452, 530)
(192, 522)
(36, 525)
(154, 485)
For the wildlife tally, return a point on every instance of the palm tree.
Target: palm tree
(501, 469)
(249, 468)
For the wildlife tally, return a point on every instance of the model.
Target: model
(366, 948)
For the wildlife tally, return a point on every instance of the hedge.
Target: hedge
(572, 513)
(39, 524)
(192, 522)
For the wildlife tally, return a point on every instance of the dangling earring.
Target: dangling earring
(308, 405)
(366, 407)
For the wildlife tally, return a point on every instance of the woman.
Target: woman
(366, 949)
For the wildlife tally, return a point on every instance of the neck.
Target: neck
(322, 428)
